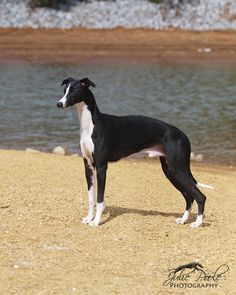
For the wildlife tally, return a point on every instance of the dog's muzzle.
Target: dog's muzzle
(60, 105)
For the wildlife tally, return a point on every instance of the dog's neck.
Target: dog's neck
(87, 111)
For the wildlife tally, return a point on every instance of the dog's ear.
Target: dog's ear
(67, 81)
(86, 82)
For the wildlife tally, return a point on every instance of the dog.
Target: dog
(107, 138)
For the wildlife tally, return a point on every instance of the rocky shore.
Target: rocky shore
(59, 150)
(202, 15)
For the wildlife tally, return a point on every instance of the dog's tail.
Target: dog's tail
(199, 184)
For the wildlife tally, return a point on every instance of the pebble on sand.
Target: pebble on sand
(192, 156)
(199, 158)
(59, 150)
(32, 151)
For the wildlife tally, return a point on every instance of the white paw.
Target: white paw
(87, 219)
(93, 223)
(195, 224)
(180, 220)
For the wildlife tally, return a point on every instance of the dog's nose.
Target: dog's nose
(59, 104)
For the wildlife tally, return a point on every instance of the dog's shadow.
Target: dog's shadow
(117, 211)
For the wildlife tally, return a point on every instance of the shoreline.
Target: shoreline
(194, 163)
(75, 46)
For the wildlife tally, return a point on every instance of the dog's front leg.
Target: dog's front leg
(90, 177)
(101, 181)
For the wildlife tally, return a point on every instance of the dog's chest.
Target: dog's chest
(86, 131)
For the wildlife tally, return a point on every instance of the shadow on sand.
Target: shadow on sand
(117, 211)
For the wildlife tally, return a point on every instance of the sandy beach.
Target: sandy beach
(81, 45)
(45, 249)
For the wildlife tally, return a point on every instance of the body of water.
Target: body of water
(200, 100)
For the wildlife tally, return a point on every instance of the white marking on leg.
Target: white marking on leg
(184, 218)
(198, 222)
(97, 219)
(87, 149)
(91, 195)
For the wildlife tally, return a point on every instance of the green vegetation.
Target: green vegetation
(47, 3)
(156, 1)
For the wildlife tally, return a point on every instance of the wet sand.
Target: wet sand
(45, 249)
(80, 45)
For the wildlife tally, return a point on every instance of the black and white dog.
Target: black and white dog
(106, 138)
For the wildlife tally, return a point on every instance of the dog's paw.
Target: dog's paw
(87, 220)
(195, 224)
(93, 223)
(180, 220)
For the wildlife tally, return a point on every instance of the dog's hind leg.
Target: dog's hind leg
(189, 202)
(200, 199)
(101, 181)
(184, 178)
(188, 198)
(90, 177)
(191, 190)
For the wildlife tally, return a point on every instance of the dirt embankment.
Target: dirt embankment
(81, 45)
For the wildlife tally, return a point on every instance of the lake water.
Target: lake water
(199, 99)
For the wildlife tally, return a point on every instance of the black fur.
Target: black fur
(88, 174)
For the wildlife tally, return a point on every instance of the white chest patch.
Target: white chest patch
(86, 130)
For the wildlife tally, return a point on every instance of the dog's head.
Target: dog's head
(75, 91)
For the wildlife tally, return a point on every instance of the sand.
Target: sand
(81, 45)
(45, 249)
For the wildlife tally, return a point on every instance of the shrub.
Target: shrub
(47, 3)
(173, 3)
(156, 1)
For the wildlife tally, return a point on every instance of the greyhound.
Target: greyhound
(107, 138)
